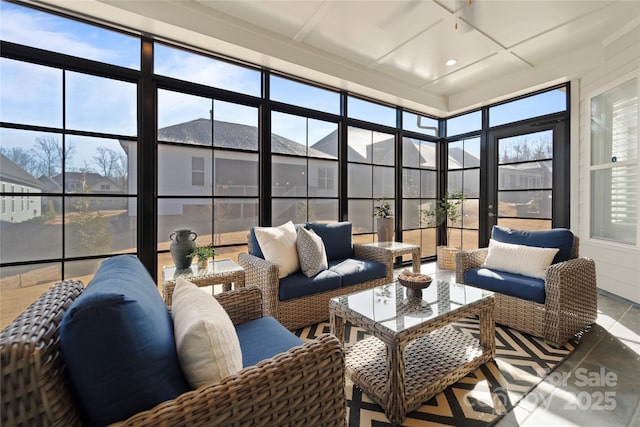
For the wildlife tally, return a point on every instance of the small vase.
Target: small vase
(182, 244)
(385, 229)
(203, 263)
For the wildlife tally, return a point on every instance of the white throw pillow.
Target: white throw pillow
(311, 252)
(526, 260)
(206, 340)
(278, 245)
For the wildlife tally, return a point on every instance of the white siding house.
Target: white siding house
(21, 207)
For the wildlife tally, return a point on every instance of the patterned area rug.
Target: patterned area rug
(481, 398)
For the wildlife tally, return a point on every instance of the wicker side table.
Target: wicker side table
(396, 249)
(219, 271)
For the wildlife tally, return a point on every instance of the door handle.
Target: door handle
(491, 214)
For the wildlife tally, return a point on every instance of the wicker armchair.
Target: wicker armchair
(570, 297)
(307, 310)
(304, 386)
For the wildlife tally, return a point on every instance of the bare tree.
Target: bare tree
(49, 153)
(22, 158)
(112, 164)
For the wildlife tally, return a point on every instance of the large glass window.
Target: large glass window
(304, 95)
(464, 178)
(371, 112)
(370, 176)
(419, 192)
(464, 123)
(421, 124)
(207, 171)
(525, 173)
(543, 103)
(614, 164)
(46, 31)
(304, 169)
(196, 68)
(72, 186)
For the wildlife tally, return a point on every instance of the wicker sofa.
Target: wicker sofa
(298, 301)
(302, 386)
(566, 296)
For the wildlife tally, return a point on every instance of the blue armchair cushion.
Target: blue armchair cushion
(254, 246)
(263, 338)
(560, 238)
(118, 344)
(354, 270)
(298, 285)
(515, 285)
(336, 237)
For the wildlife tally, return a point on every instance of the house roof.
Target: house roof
(11, 172)
(231, 135)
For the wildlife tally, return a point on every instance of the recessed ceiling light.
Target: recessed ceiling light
(451, 62)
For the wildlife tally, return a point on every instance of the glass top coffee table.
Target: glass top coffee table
(413, 352)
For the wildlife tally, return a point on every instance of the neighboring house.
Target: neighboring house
(187, 169)
(75, 182)
(23, 206)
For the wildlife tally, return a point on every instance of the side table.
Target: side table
(396, 249)
(218, 271)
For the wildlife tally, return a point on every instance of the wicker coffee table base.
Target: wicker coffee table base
(401, 371)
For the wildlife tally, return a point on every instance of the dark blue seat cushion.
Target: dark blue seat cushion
(515, 285)
(336, 237)
(298, 285)
(354, 270)
(560, 238)
(263, 338)
(118, 345)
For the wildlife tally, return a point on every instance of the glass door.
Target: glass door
(527, 182)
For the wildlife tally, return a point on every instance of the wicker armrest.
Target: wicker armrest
(242, 304)
(374, 253)
(469, 259)
(571, 283)
(304, 386)
(34, 389)
(264, 275)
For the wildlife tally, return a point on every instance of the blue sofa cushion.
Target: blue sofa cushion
(515, 285)
(560, 238)
(263, 338)
(354, 270)
(118, 345)
(298, 285)
(336, 237)
(254, 246)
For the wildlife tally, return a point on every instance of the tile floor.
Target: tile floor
(598, 384)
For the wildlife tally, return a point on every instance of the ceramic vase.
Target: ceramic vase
(385, 229)
(182, 244)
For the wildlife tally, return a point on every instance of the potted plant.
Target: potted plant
(447, 213)
(203, 253)
(384, 220)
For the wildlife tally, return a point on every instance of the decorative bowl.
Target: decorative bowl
(414, 283)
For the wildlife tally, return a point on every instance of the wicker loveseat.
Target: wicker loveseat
(302, 386)
(556, 307)
(297, 300)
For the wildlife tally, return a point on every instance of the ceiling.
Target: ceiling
(394, 50)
